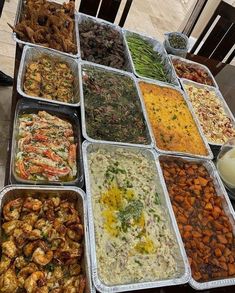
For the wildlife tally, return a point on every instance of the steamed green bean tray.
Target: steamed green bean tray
(147, 62)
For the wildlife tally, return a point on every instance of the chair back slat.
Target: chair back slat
(221, 37)
(215, 36)
(108, 9)
(89, 7)
(105, 9)
(225, 45)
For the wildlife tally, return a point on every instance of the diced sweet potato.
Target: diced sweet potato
(231, 269)
(226, 252)
(207, 232)
(188, 228)
(182, 219)
(206, 229)
(231, 258)
(197, 276)
(218, 252)
(220, 246)
(202, 181)
(209, 206)
(218, 225)
(222, 239)
(187, 234)
(197, 234)
(223, 266)
(206, 239)
(222, 259)
(179, 198)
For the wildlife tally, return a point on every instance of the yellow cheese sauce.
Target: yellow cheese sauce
(172, 122)
(134, 242)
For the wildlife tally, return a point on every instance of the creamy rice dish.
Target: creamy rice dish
(134, 241)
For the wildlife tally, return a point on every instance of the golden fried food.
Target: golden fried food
(49, 78)
(48, 24)
(42, 246)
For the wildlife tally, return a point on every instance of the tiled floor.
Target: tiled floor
(147, 16)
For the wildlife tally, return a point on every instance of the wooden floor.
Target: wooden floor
(152, 17)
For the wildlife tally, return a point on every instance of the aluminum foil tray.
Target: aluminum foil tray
(33, 54)
(83, 115)
(228, 209)
(73, 194)
(20, 8)
(80, 17)
(25, 106)
(210, 154)
(218, 95)
(184, 272)
(158, 47)
(206, 69)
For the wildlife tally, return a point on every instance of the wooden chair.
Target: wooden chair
(105, 9)
(1, 6)
(221, 38)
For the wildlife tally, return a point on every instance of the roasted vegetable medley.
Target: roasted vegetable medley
(49, 78)
(42, 247)
(112, 107)
(102, 44)
(204, 226)
(191, 71)
(147, 61)
(46, 148)
(217, 125)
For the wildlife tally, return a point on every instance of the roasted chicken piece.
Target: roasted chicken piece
(48, 24)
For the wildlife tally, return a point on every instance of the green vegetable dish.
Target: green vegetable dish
(147, 62)
(176, 41)
(113, 109)
(134, 241)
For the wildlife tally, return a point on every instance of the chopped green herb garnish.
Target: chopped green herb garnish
(156, 198)
(138, 262)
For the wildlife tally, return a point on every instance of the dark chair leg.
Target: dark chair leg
(230, 58)
(108, 9)
(1, 6)
(125, 13)
(89, 7)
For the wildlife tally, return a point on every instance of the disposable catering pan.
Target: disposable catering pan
(72, 194)
(26, 106)
(160, 150)
(197, 65)
(158, 47)
(20, 11)
(137, 100)
(227, 208)
(216, 112)
(33, 54)
(180, 276)
(80, 17)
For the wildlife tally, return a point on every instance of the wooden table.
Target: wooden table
(224, 75)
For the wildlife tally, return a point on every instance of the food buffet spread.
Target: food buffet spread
(155, 212)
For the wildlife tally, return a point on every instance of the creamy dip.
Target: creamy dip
(134, 241)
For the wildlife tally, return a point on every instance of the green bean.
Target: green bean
(147, 62)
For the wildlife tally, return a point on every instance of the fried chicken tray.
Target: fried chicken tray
(47, 24)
